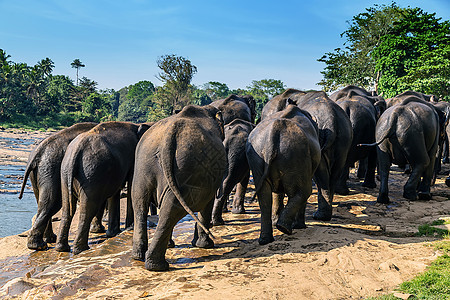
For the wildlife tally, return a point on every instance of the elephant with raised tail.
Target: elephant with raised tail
(180, 164)
(97, 165)
(44, 170)
(409, 132)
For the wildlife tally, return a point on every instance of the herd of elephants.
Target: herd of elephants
(191, 161)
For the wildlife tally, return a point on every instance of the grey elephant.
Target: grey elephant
(283, 152)
(443, 151)
(180, 164)
(408, 133)
(96, 166)
(363, 117)
(236, 135)
(335, 137)
(407, 94)
(236, 107)
(44, 170)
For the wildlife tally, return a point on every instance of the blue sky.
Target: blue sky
(233, 42)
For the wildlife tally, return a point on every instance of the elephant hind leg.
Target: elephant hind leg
(169, 215)
(201, 238)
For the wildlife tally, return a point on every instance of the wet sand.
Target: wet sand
(367, 249)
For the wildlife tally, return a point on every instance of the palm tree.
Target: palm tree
(46, 65)
(77, 64)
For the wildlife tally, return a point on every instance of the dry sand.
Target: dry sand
(367, 249)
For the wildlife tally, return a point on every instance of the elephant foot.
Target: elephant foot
(36, 244)
(343, 191)
(447, 181)
(322, 215)
(138, 255)
(446, 160)
(203, 242)
(264, 240)
(97, 228)
(410, 195)
(112, 233)
(50, 238)
(284, 228)
(299, 225)
(78, 249)
(424, 196)
(216, 221)
(370, 185)
(238, 210)
(383, 199)
(171, 244)
(62, 247)
(154, 265)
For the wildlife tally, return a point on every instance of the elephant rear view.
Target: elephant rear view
(44, 170)
(408, 133)
(96, 166)
(180, 164)
(283, 152)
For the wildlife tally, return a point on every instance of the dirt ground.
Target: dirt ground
(367, 249)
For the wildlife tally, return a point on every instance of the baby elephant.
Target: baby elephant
(97, 164)
(283, 152)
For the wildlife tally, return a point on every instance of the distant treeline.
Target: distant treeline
(32, 96)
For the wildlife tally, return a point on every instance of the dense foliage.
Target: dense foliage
(391, 50)
(32, 96)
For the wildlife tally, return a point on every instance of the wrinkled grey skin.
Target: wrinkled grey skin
(335, 137)
(236, 135)
(235, 107)
(363, 117)
(180, 164)
(408, 133)
(283, 152)
(352, 90)
(232, 108)
(43, 168)
(443, 151)
(407, 94)
(96, 166)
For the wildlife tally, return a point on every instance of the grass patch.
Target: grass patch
(430, 230)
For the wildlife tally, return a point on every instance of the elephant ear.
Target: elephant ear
(142, 129)
(219, 119)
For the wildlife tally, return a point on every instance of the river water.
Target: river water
(15, 213)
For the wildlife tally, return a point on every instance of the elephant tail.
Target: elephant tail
(268, 158)
(30, 167)
(386, 134)
(167, 159)
(73, 157)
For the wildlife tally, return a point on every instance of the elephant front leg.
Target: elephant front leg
(217, 210)
(170, 214)
(384, 164)
(424, 192)
(239, 196)
(277, 206)
(96, 224)
(341, 184)
(201, 238)
(114, 215)
(369, 177)
(325, 193)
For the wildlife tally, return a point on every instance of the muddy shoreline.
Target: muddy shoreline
(367, 249)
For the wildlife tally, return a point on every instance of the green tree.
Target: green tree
(137, 102)
(415, 54)
(77, 64)
(354, 63)
(96, 108)
(176, 74)
(59, 91)
(262, 91)
(216, 90)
